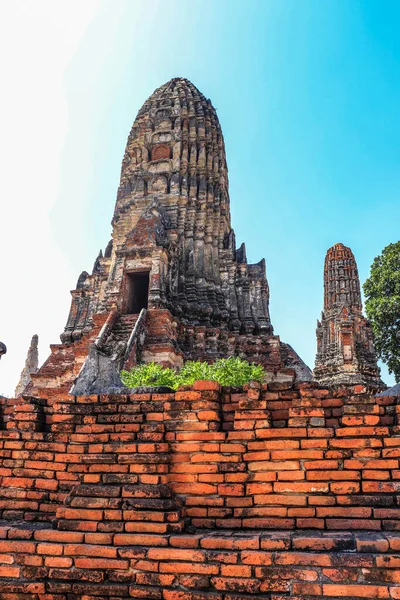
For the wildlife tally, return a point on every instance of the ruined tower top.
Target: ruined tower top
(177, 128)
(341, 281)
(175, 158)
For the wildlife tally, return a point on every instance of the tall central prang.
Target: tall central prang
(171, 224)
(172, 258)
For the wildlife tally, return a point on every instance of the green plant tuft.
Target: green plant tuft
(235, 371)
(231, 371)
(150, 375)
(193, 371)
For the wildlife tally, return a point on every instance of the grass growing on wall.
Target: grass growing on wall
(227, 371)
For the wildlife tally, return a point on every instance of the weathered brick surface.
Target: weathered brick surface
(156, 463)
(151, 495)
(224, 565)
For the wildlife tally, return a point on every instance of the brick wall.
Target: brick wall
(274, 459)
(40, 564)
(197, 470)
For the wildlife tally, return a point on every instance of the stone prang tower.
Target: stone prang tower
(345, 345)
(171, 284)
(172, 241)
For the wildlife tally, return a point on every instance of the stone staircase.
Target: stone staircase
(120, 332)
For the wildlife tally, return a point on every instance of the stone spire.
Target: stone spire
(345, 345)
(173, 203)
(31, 366)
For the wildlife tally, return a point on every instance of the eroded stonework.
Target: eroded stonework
(172, 253)
(345, 343)
(31, 366)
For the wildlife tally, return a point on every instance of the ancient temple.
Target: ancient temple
(171, 284)
(345, 344)
(281, 490)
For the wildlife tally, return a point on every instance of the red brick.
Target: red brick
(175, 554)
(17, 546)
(321, 464)
(372, 543)
(100, 563)
(98, 538)
(206, 385)
(281, 499)
(230, 543)
(128, 539)
(258, 488)
(296, 454)
(231, 490)
(333, 475)
(371, 464)
(185, 541)
(341, 575)
(256, 558)
(391, 562)
(58, 561)
(87, 550)
(345, 487)
(274, 466)
(235, 571)
(235, 584)
(80, 513)
(307, 589)
(316, 543)
(387, 487)
(300, 487)
(52, 549)
(310, 523)
(355, 591)
(9, 571)
(183, 567)
(303, 558)
(355, 512)
(344, 524)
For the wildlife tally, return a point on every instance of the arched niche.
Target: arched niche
(159, 183)
(161, 151)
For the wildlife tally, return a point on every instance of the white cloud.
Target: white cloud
(37, 41)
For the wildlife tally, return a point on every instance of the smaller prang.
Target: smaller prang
(345, 343)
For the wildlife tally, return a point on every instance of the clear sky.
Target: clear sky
(308, 95)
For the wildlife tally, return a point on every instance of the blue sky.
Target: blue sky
(307, 93)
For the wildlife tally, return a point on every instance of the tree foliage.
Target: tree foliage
(227, 371)
(382, 293)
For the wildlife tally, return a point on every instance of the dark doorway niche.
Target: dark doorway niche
(138, 292)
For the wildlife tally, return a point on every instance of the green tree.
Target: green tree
(382, 293)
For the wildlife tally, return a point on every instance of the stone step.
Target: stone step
(121, 331)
